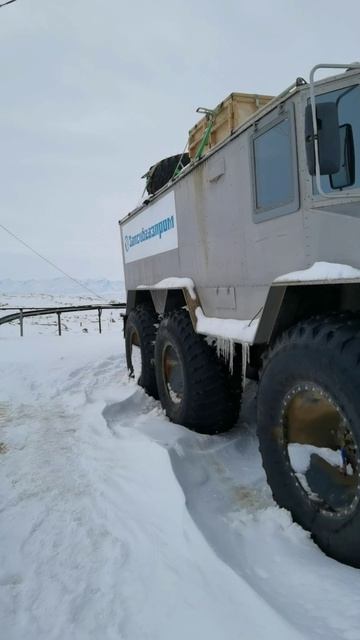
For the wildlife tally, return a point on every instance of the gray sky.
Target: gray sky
(93, 93)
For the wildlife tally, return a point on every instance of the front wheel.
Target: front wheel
(309, 430)
(194, 385)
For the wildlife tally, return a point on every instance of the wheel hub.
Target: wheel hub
(320, 449)
(173, 374)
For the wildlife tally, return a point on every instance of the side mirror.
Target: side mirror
(328, 138)
(345, 177)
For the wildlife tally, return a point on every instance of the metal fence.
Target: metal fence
(29, 312)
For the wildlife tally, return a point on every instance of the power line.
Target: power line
(8, 2)
(47, 260)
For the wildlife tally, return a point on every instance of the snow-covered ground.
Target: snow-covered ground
(116, 524)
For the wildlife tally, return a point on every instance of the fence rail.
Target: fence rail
(29, 312)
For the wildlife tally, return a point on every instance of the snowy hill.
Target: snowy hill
(62, 286)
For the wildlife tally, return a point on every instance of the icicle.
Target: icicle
(245, 356)
(225, 350)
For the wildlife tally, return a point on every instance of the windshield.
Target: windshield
(348, 106)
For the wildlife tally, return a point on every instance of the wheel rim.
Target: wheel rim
(135, 356)
(173, 374)
(321, 449)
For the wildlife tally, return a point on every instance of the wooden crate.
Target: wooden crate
(231, 113)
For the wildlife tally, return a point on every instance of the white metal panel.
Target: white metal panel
(152, 231)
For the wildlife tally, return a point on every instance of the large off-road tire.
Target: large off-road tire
(193, 383)
(140, 333)
(309, 430)
(160, 174)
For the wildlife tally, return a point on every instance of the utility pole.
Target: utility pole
(8, 2)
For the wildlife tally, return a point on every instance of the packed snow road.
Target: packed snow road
(115, 523)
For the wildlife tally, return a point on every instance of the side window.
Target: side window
(274, 167)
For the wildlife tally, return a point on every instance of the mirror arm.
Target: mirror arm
(354, 65)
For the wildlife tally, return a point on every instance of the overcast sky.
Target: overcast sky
(94, 92)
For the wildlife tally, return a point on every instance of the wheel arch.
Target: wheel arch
(163, 301)
(287, 304)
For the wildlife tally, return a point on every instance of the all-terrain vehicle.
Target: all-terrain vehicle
(246, 264)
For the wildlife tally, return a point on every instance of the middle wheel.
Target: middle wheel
(194, 385)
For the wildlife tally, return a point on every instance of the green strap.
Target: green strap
(205, 139)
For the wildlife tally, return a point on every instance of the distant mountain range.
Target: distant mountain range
(63, 286)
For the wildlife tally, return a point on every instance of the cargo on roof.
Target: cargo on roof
(228, 116)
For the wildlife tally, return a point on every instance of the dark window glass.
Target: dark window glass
(273, 167)
(348, 106)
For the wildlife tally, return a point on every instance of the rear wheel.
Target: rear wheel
(140, 333)
(309, 431)
(194, 385)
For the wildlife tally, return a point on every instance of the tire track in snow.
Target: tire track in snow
(228, 498)
(134, 409)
